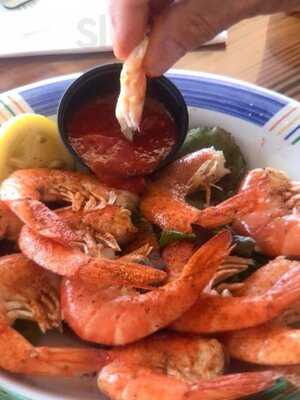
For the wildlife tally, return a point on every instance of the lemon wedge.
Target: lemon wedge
(31, 141)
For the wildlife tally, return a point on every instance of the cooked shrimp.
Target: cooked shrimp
(133, 81)
(103, 231)
(164, 202)
(112, 220)
(19, 356)
(269, 344)
(121, 382)
(274, 343)
(98, 237)
(189, 357)
(274, 222)
(25, 190)
(167, 366)
(10, 225)
(213, 313)
(28, 292)
(232, 266)
(130, 315)
(265, 277)
(176, 369)
(176, 254)
(67, 261)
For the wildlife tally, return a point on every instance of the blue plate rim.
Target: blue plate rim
(180, 77)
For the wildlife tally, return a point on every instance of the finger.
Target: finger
(129, 23)
(180, 28)
(156, 6)
(130, 20)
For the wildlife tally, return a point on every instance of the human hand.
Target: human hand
(179, 26)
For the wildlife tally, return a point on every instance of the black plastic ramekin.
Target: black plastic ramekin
(104, 80)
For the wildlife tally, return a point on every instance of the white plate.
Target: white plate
(265, 124)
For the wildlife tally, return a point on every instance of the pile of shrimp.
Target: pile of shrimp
(166, 328)
(155, 323)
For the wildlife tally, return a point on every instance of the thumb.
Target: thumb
(129, 20)
(180, 28)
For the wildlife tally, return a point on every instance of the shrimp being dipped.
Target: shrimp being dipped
(130, 315)
(131, 100)
(274, 222)
(169, 367)
(28, 292)
(164, 202)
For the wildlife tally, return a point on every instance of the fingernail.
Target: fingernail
(120, 53)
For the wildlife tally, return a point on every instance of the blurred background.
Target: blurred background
(46, 38)
(53, 26)
(36, 27)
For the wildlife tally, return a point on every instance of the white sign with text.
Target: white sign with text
(58, 27)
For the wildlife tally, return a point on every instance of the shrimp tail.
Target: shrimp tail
(19, 356)
(133, 82)
(231, 387)
(38, 217)
(129, 382)
(226, 212)
(65, 362)
(211, 253)
(102, 272)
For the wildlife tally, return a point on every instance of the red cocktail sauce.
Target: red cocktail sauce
(94, 133)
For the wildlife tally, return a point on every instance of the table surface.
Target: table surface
(264, 50)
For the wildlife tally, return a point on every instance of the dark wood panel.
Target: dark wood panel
(263, 50)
